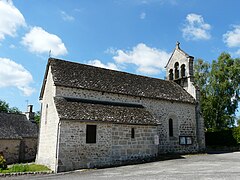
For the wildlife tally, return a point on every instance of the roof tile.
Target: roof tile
(78, 75)
(77, 109)
(16, 126)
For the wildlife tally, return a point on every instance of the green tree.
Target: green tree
(219, 84)
(238, 121)
(37, 117)
(4, 107)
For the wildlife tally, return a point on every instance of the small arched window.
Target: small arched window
(170, 124)
(132, 133)
(176, 70)
(183, 70)
(170, 74)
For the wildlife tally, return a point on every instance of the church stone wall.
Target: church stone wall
(48, 127)
(181, 58)
(183, 114)
(114, 145)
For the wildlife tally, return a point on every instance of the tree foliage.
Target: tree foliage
(37, 117)
(4, 107)
(219, 84)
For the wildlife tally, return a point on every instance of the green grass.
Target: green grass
(25, 168)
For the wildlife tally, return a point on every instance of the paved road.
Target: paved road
(205, 166)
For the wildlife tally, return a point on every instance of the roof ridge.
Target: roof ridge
(78, 75)
(11, 113)
(124, 72)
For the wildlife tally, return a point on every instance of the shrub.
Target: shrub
(236, 134)
(3, 163)
(221, 138)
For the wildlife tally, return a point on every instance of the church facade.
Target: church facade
(95, 117)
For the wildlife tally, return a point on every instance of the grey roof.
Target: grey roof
(16, 126)
(78, 75)
(100, 111)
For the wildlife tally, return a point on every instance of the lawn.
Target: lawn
(24, 168)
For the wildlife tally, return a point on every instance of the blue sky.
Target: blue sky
(135, 36)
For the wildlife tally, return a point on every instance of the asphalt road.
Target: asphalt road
(190, 167)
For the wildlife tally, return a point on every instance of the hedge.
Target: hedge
(230, 137)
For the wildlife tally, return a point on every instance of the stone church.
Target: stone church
(96, 117)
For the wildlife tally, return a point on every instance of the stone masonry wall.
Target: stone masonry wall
(30, 149)
(179, 57)
(183, 114)
(125, 148)
(10, 149)
(113, 146)
(48, 127)
(18, 150)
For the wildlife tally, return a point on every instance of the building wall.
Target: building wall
(183, 114)
(184, 124)
(48, 127)
(114, 145)
(179, 57)
(30, 149)
(18, 150)
(188, 85)
(10, 149)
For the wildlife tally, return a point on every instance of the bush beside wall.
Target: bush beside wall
(230, 137)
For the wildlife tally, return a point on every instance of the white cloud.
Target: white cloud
(143, 15)
(195, 28)
(98, 63)
(10, 19)
(40, 41)
(13, 74)
(148, 60)
(232, 38)
(66, 17)
(12, 46)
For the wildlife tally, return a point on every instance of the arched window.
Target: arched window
(170, 74)
(183, 70)
(132, 133)
(176, 71)
(170, 124)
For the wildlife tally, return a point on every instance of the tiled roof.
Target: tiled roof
(78, 75)
(84, 110)
(16, 126)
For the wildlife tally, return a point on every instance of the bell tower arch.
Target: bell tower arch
(180, 69)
